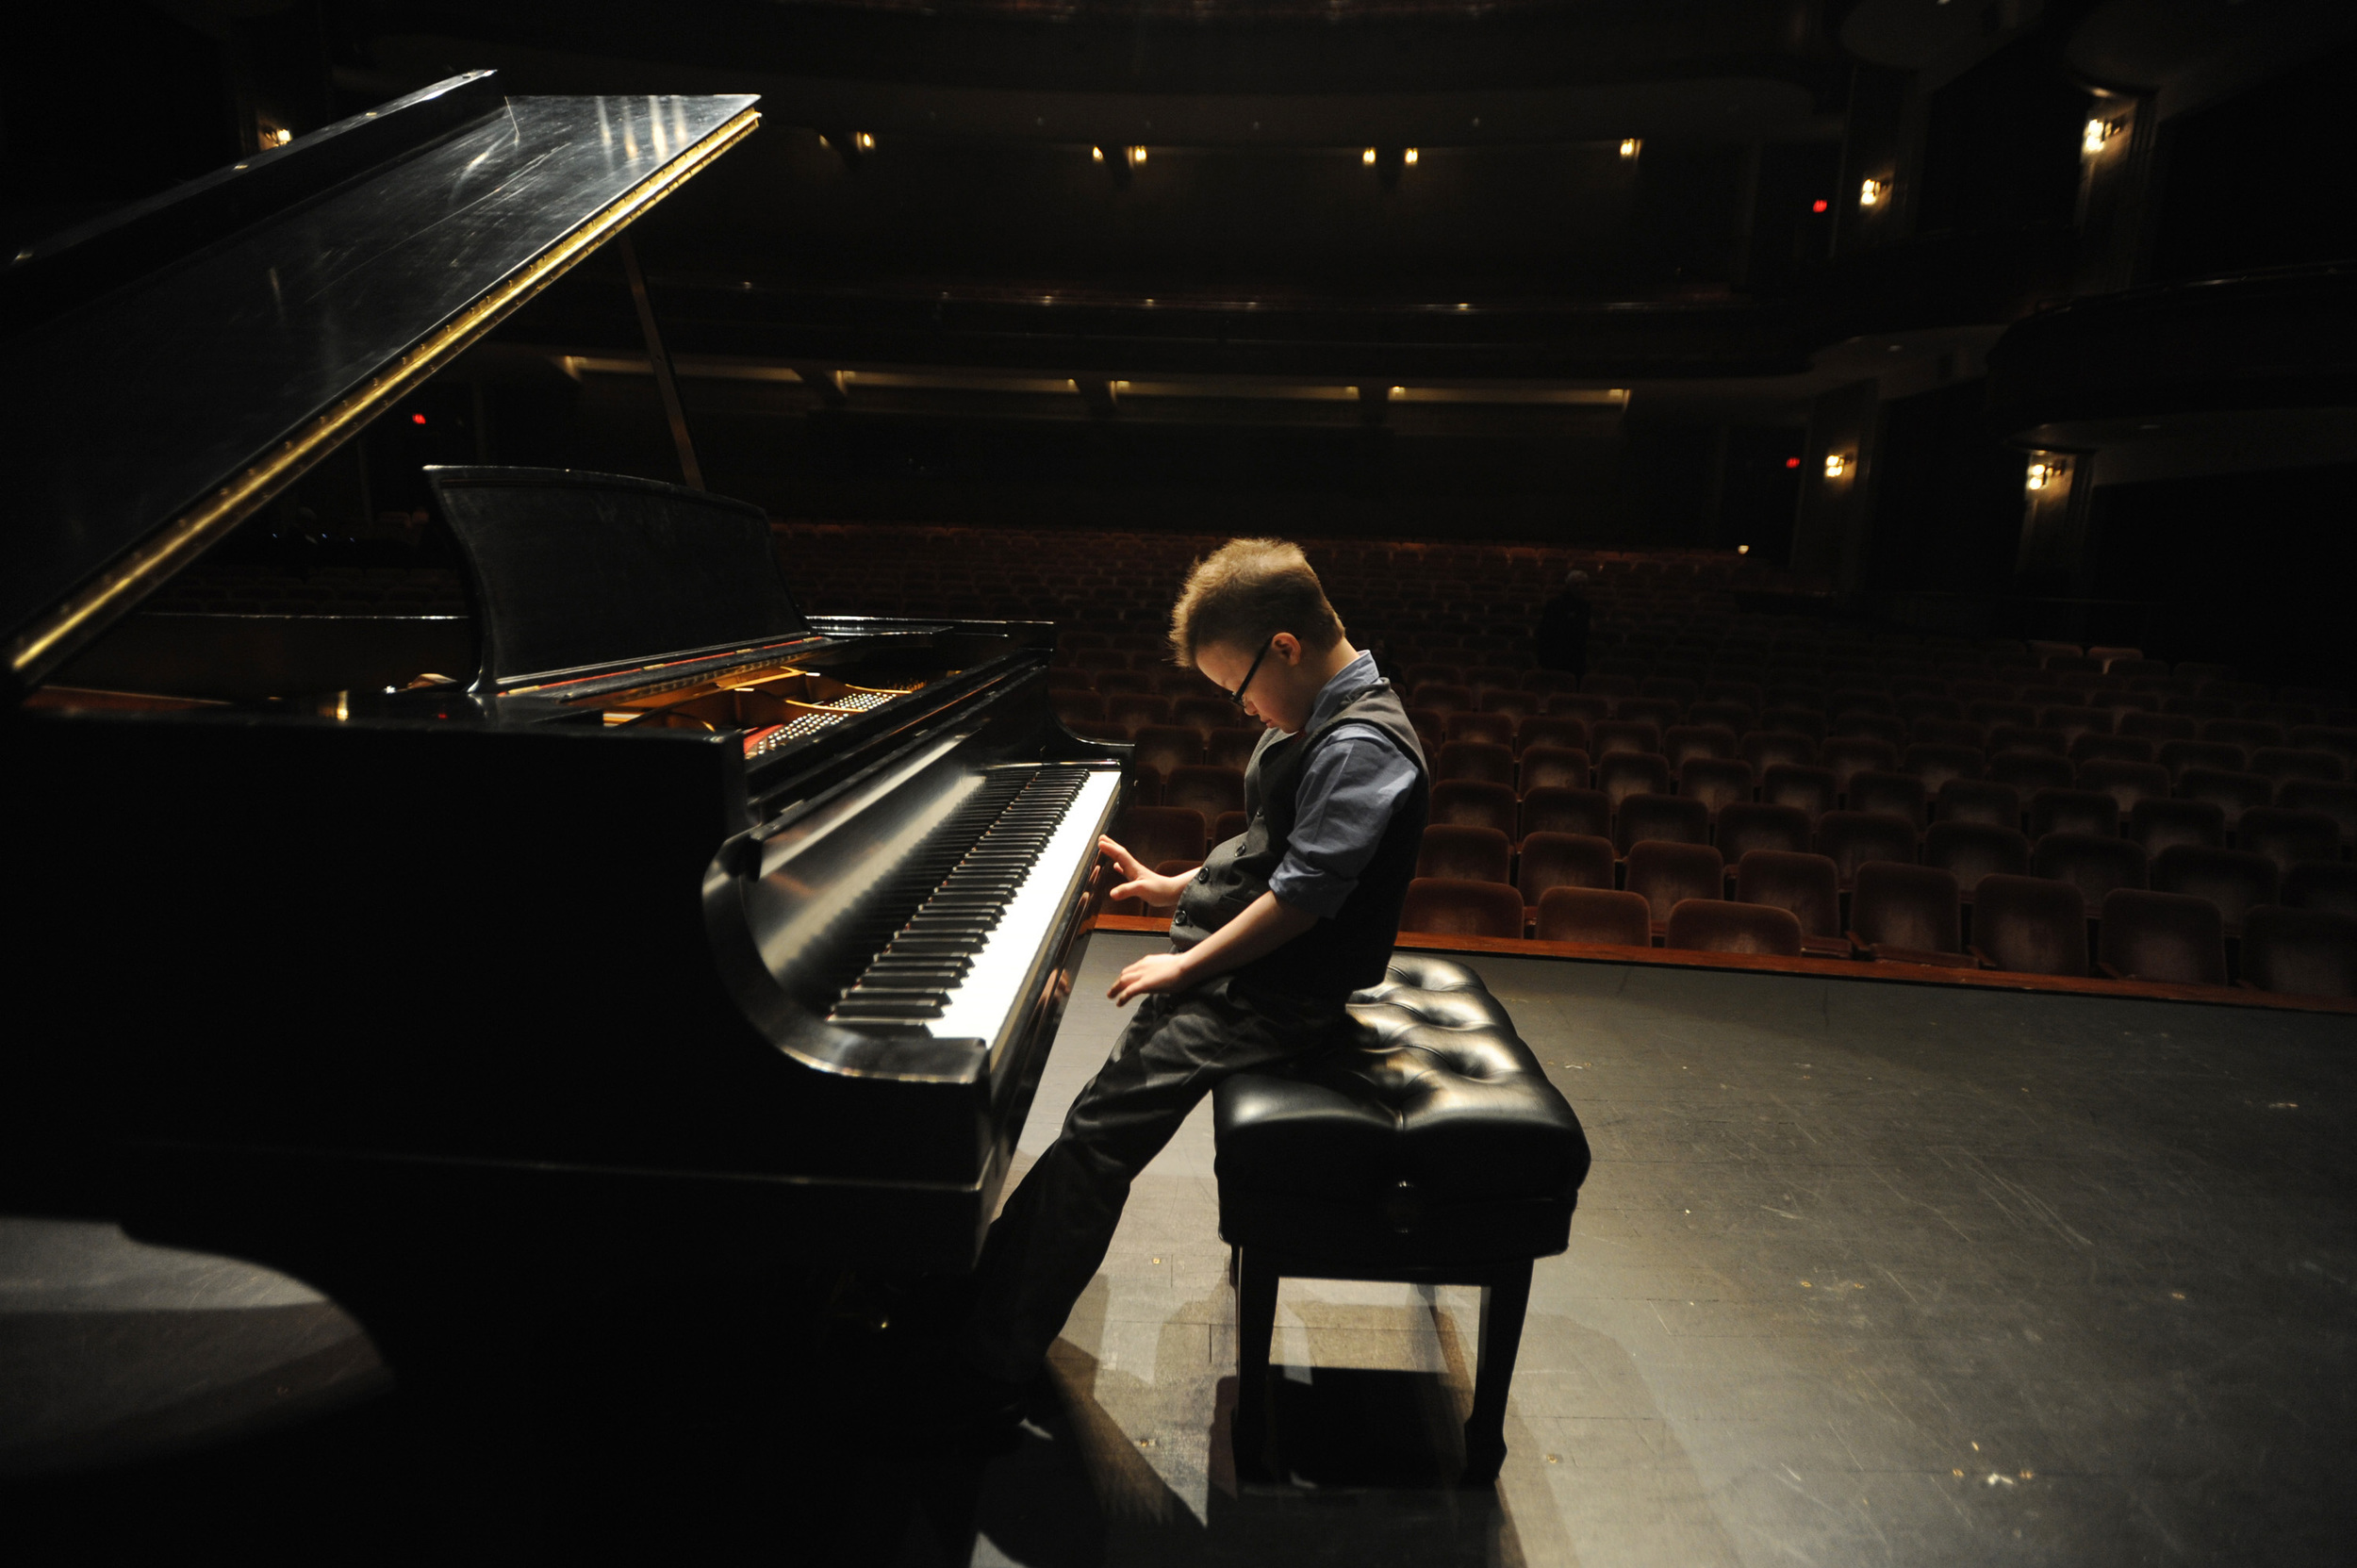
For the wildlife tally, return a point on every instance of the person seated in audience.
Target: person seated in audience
(1560, 641)
(1270, 937)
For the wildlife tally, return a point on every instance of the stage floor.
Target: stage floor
(1863, 1274)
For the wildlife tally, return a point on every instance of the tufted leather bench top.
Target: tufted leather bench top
(1427, 1134)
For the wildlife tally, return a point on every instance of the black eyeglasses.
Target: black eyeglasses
(1237, 696)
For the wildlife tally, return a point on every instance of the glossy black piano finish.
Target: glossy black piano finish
(144, 424)
(493, 983)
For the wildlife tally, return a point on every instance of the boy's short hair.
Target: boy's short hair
(1245, 592)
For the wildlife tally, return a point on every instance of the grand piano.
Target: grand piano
(631, 920)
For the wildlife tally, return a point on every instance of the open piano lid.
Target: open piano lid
(172, 367)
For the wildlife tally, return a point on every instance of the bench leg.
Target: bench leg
(1503, 1302)
(1256, 1323)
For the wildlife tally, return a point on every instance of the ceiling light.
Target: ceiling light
(2099, 132)
(1870, 192)
(866, 143)
(1411, 156)
(1836, 465)
(1137, 155)
(1097, 154)
(1742, 549)
(1367, 158)
(1629, 146)
(2040, 476)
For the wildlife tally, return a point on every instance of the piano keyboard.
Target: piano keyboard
(956, 966)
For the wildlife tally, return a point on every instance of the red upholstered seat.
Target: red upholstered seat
(2287, 836)
(1621, 774)
(1979, 801)
(1443, 907)
(1495, 729)
(2180, 755)
(2030, 925)
(2126, 782)
(1206, 714)
(1671, 819)
(2231, 792)
(1766, 748)
(2335, 800)
(1473, 804)
(1846, 756)
(1972, 852)
(2092, 747)
(2300, 952)
(2168, 938)
(2093, 864)
(2154, 825)
(1624, 734)
(1212, 791)
(1232, 748)
(1908, 912)
(2031, 772)
(1465, 854)
(1594, 915)
(1663, 872)
(1134, 712)
(2234, 879)
(1550, 767)
(1230, 824)
(1852, 838)
(1681, 743)
(2085, 810)
(1812, 791)
(1747, 825)
(1712, 925)
(1155, 833)
(1554, 809)
(1717, 782)
(1563, 860)
(2329, 885)
(1565, 733)
(1888, 794)
(1807, 884)
(1479, 761)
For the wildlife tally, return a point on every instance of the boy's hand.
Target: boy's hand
(1154, 972)
(1157, 892)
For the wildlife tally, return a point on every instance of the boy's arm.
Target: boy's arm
(1267, 923)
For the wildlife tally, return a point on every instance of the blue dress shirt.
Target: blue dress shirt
(1350, 786)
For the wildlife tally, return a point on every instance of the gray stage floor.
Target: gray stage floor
(1863, 1273)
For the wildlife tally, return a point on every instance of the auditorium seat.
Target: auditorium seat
(1746, 825)
(1940, 731)
(2159, 728)
(1936, 764)
(1791, 719)
(2093, 748)
(2300, 952)
(1715, 782)
(1155, 833)
(1443, 697)
(1681, 743)
(1548, 730)
(1472, 803)
(2031, 772)
(1813, 790)
(2248, 734)
(2163, 937)
(1980, 800)
(1989, 715)
(2094, 864)
(2154, 825)
(1853, 838)
(1587, 707)
(2337, 801)
(1134, 712)
(1973, 850)
(1493, 729)
(2070, 723)
(1465, 854)
(1414, 675)
(1623, 735)
(1605, 684)
(1431, 730)
(2087, 810)
(2339, 740)
(1562, 860)
(1594, 915)
(2329, 886)
(1550, 766)
(1124, 683)
(1213, 791)
(1671, 819)
(2178, 756)
(2015, 737)
(1657, 710)
(2287, 838)
(1512, 703)
(1808, 886)
(1872, 726)
(1663, 872)
(1734, 717)
(1076, 706)
(2029, 926)
(1232, 748)
(2232, 792)
(1846, 755)
(1621, 774)
(1885, 794)
(1713, 925)
(1206, 714)
(1908, 914)
(1231, 824)
(1440, 906)
(2126, 782)
(1163, 747)
(1145, 787)
(1473, 761)
(2234, 879)
(1554, 809)
(1676, 688)
(2281, 765)
(1766, 748)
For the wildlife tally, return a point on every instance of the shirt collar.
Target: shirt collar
(1352, 679)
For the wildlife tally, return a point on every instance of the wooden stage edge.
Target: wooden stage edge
(1881, 971)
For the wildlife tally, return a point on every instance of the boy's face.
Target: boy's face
(1279, 692)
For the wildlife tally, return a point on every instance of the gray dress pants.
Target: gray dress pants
(1048, 1240)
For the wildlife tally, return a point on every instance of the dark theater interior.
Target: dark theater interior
(1841, 514)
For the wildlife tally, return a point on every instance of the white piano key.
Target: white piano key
(984, 1002)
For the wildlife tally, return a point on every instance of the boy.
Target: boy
(1268, 938)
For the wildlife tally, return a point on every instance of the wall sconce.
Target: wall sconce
(1870, 192)
(1410, 158)
(1367, 158)
(1097, 154)
(2099, 132)
(1836, 465)
(866, 143)
(1742, 549)
(2039, 476)
(1630, 145)
(1137, 155)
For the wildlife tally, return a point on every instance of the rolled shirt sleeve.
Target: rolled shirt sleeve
(1349, 788)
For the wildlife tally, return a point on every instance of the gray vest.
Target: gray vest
(1337, 956)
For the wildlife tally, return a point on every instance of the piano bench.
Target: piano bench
(1427, 1147)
